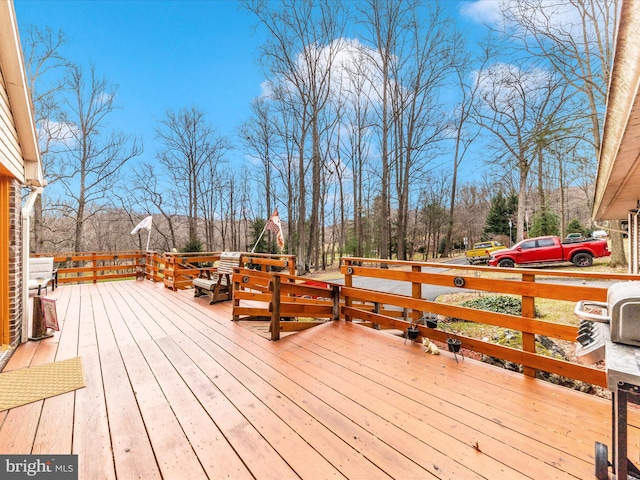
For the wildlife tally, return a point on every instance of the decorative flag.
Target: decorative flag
(145, 224)
(50, 314)
(274, 225)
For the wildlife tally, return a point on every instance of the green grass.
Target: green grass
(555, 311)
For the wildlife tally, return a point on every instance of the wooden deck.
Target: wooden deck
(176, 390)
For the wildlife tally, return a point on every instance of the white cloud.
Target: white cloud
(482, 11)
(355, 72)
(560, 16)
(62, 134)
(506, 84)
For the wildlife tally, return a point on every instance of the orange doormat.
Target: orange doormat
(27, 385)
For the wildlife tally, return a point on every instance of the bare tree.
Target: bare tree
(516, 105)
(286, 166)
(213, 188)
(152, 195)
(190, 156)
(576, 39)
(384, 21)
(425, 61)
(355, 143)
(463, 132)
(45, 64)
(298, 55)
(261, 140)
(93, 160)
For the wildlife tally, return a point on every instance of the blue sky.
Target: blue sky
(166, 55)
(161, 54)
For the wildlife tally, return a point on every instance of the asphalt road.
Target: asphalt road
(431, 292)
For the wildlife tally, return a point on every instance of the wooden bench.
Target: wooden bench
(42, 274)
(217, 283)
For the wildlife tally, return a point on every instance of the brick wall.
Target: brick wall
(15, 263)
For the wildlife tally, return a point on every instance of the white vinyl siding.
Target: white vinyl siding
(10, 151)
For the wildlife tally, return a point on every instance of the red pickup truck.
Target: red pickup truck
(550, 249)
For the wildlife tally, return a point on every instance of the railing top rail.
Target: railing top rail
(522, 271)
(87, 254)
(287, 276)
(267, 255)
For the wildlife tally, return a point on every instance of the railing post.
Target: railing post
(148, 265)
(335, 296)
(376, 310)
(236, 288)
(94, 267)
(274, 287)
(292, 265)
(348, 282)
(416, 292)
(529, 311)
(169, 271)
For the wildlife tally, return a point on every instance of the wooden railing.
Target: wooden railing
(265, 286)
(93, 267)
(378, 307)
(281, 298)
(181, 268)
(175, 270)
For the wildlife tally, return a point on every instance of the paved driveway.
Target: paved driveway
(431, 292)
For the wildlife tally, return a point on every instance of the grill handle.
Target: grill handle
(591, 317)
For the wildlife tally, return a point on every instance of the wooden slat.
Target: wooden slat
(132, 452)
(515, 322)
(196, 395)
(91, 439)
(481, 377)
(555, 291)
(229, 418)
(472, 424)
(55, 429)
(305, 310)
(541, 362)
(286, 326)
(375, 355)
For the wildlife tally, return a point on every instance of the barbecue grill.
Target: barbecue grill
(613, 334)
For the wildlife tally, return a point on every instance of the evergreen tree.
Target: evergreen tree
(501, 211)
(576, 227)
(544, 222)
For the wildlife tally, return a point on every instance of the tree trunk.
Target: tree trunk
(522, 203)
(618, 257)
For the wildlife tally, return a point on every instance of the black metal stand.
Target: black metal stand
(622, 467)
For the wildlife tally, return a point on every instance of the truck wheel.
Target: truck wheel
(506, 263)
(582, 260)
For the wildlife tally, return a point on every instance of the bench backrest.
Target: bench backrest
(228, 260)
(40, 267)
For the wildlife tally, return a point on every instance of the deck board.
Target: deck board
(175, 390)
(132, 452)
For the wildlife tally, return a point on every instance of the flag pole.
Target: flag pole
(259, 238)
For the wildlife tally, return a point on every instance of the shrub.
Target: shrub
(498, 304)
(193, 245)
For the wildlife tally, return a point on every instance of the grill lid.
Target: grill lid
(623, 306)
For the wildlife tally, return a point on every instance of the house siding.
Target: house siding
(10, 151)
(15, 263)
